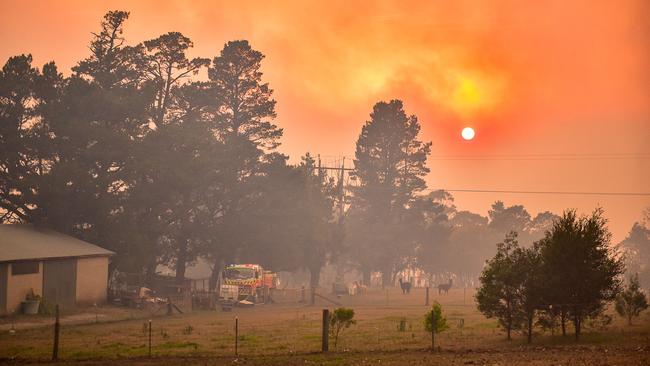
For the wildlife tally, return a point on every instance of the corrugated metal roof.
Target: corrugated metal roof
(21, 242)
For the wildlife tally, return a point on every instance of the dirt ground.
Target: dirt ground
(290, 334)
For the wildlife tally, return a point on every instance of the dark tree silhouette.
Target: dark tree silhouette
(241, 118)
(167, 65)
(632, 300)
(581, 268)
(505, 219)
(26, 146)
(636, 247)
(500, 281)
(111, 63)
(390, 163)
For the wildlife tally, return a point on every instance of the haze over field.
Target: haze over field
(548, 77)
(532, 78)
(325, 182)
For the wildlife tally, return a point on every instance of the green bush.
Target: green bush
(440, 323)
(340, 319)
(631, 301)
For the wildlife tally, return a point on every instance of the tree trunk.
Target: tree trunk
(509, 327)
(386, 276)
(181, 262)
(530, 328)
(563, 321)
(151, 271)
(314, 277)
(217, 267)
(366, 277)
(576, 324)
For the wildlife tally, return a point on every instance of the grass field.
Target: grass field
(290, 334)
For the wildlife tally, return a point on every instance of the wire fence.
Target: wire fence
(392, 321)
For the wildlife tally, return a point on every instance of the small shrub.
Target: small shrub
(188, 330)
(632, 301)
(46, 308)
(600, 322)
(340, 319)
(31, 296)
(440, 323)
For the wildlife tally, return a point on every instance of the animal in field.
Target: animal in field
(445, 287)
(406, 286)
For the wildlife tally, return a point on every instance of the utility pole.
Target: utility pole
(320, 171)
(342, 192)
(340, 172)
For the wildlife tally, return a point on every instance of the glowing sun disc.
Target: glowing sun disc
(468, 133)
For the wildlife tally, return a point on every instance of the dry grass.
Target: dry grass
(290, 334)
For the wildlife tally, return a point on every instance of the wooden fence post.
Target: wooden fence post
(149, 337)
(433, 331)
(426, 301)
(236, 335)
(326, 333)
(57, 329)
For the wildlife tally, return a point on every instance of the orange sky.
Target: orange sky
(532, 77)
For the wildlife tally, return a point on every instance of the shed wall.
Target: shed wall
(18, 286)
(3, 287)
(92, 280)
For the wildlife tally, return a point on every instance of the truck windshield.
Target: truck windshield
(239, 273)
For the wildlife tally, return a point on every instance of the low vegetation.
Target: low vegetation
(341, 318)
(631, 301)
(435, 322)
(284, 334)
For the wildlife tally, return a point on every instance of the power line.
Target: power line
(549, 157)
(576, 193)
(566, 193)
(538, 155)
(343, 169)
(559, 156)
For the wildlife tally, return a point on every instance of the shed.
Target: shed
(62, 269)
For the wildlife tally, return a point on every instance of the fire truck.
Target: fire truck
(246, 282)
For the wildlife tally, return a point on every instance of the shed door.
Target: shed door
(60, 281)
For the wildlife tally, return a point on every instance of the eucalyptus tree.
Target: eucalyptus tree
(433, 229)
(98, 122)
(167, 65)
(178, 180)
(26, 145)
(505, 219)
(636, 247)
(242, 114)
(292, 222)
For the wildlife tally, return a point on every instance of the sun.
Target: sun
(468, 133)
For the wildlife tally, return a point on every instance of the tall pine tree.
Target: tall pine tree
(390, 163)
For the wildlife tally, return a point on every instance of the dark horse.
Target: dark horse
(445, 287)
(406, 286)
